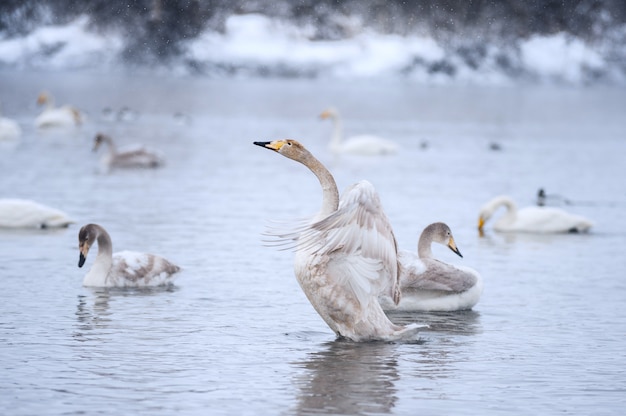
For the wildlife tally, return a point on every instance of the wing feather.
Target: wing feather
(141, 269)
(432, 274)
(360, 234)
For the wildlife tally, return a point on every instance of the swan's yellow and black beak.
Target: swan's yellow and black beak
(84, 249)
(325, 115)
(453, 247)
(481, 223)
(273, 145)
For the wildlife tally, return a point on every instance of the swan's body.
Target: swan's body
(122, 269)
(9, 129)
(131, 157)
(346, 257)
(365, 145)
(428, 284)
(531, 219)
(64, 116)
(24, 213)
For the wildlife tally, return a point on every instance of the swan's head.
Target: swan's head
(43, 98)
(99, 140)
(287, 147)
(441, 233)
(329, 113)
(482, 219)
(86, 237)
(483, 216)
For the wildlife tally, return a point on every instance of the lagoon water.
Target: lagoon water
(236, 335)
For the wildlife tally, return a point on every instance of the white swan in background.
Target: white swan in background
(123, 269)
(531, 219)
(366, 145)
(346, 257)
(136, 156)
(24, 213)
(428, 284)
(52, 116)
(9, 129)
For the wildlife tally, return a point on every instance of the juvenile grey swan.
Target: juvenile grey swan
(346, 257)
(532, 219)
(131, 157)
(428, 284)
(365, 145)
(122, 269)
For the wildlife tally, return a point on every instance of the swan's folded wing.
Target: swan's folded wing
(27, 213)
(142, 268)
(548, 219)
(138, 154)
(416, 274)
(360, 239)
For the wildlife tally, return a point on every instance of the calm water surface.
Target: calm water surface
(235, 335)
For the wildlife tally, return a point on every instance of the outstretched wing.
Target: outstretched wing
(359, 244)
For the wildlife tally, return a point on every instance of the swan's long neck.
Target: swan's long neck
(99, 271)
(424, 250)
(49, 103)
(330, 194)
(335, 141)
(111, 145)
(511, 209)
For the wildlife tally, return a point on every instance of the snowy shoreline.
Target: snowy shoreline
(256, 45)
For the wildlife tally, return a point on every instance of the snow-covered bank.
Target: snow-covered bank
(254, 44)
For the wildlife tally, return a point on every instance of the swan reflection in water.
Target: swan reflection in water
(93, 310)
(360, 378)
(348, 378)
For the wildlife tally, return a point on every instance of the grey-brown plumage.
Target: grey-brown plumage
(125, 268)
(430, 284)
(136, 156)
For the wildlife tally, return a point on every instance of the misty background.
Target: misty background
(573, 41)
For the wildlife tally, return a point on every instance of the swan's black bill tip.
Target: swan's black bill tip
(81, 260)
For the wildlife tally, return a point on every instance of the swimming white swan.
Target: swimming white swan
(24, 213)
(52, 116)
(9, 129)
(428, 284)
(131, 157)
(531, 219)
(366, 145)
(346, 257)
(122, 269)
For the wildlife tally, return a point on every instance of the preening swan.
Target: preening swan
(365, 145)
(9, 129)
(531, 219)
(346, 257)
(428, 284)
(56, 116)
(24, 213)
(126, 268)
(131, 157)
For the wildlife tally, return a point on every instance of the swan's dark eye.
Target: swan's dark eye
(289, 143)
